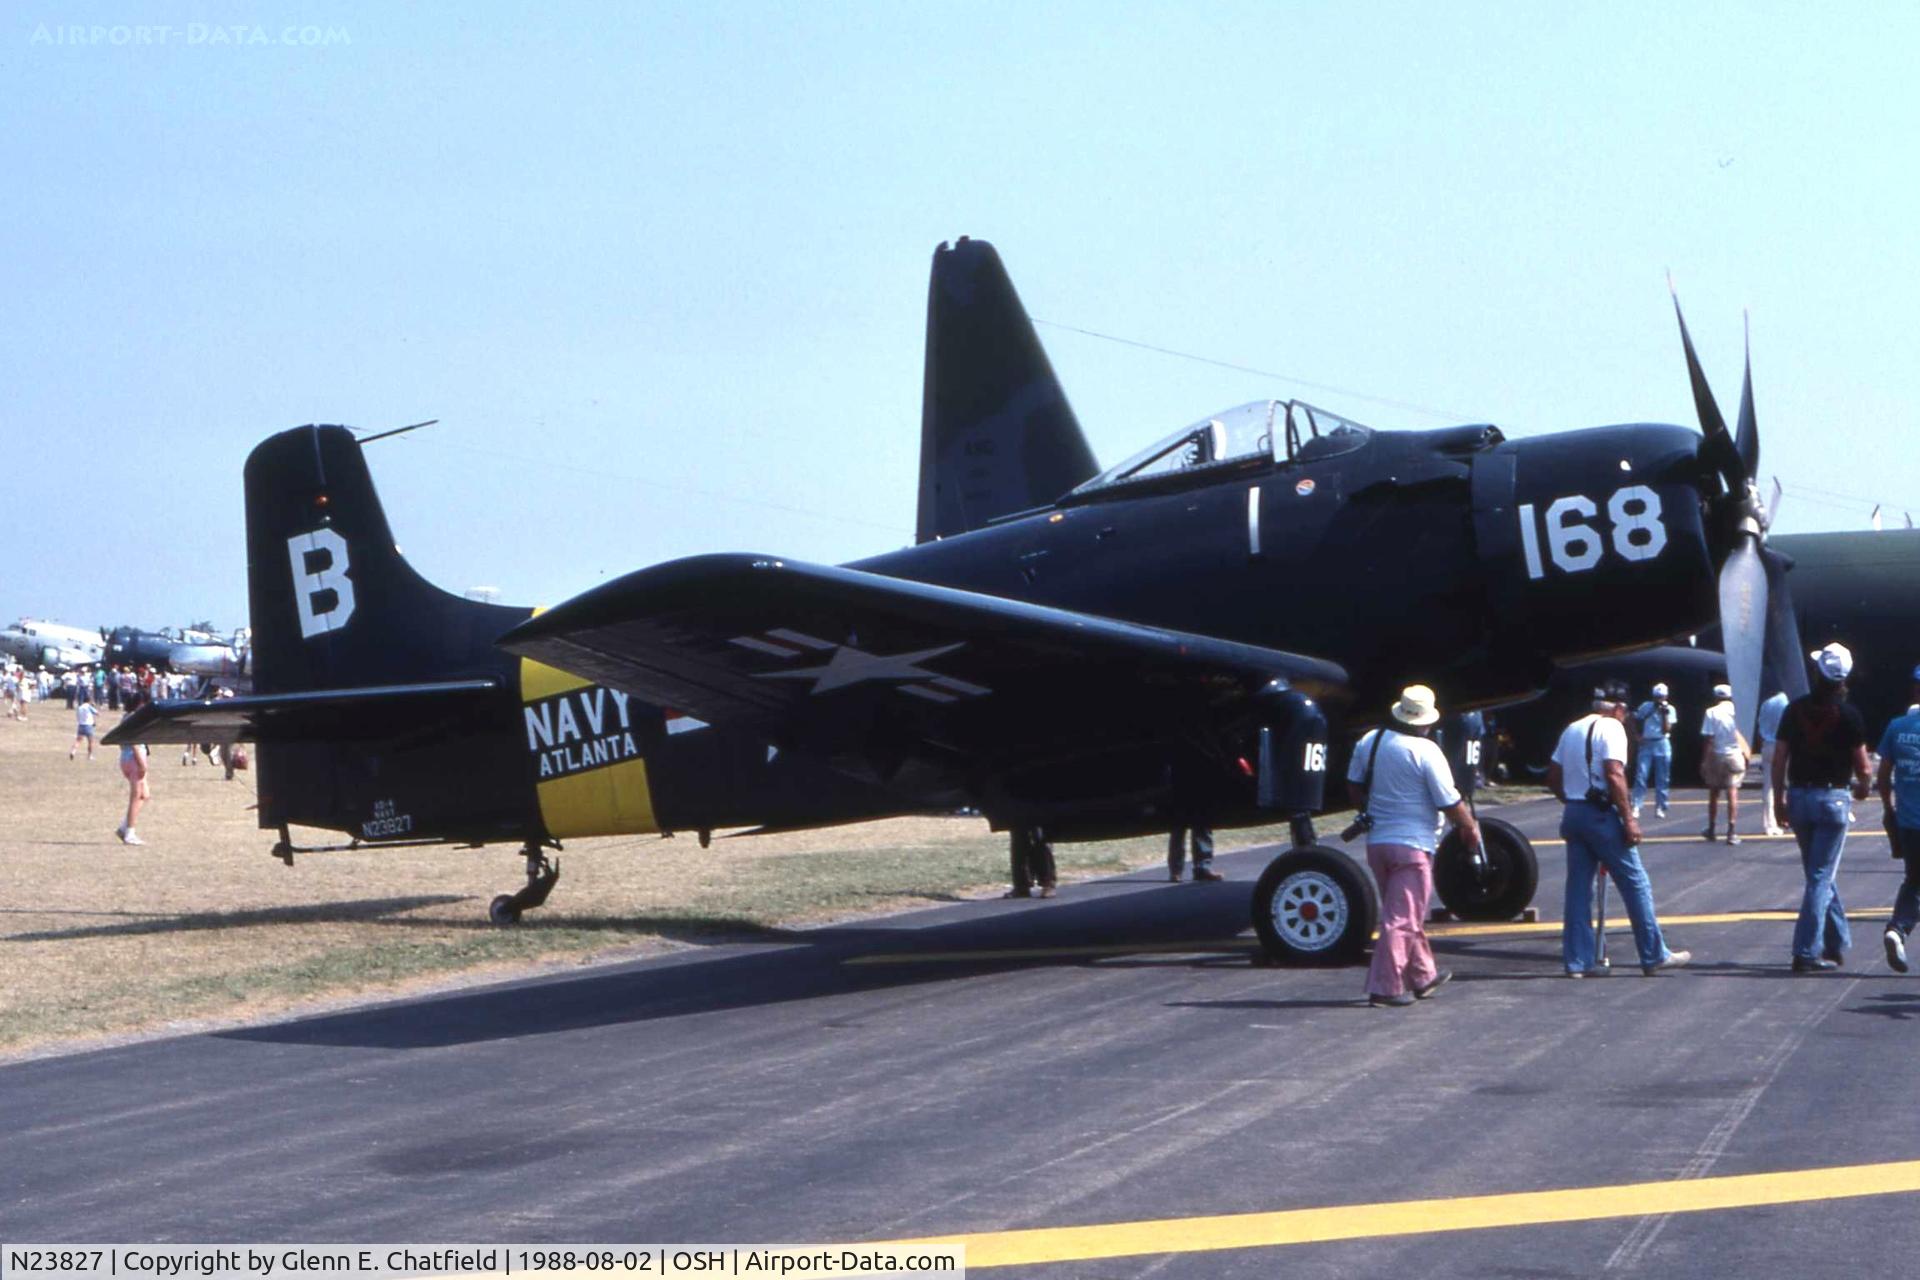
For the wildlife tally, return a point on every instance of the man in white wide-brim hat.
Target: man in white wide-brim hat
(1400, 779)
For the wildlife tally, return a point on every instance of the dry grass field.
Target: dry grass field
(201, 926)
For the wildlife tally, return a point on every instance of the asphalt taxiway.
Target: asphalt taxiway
(1099, 1085)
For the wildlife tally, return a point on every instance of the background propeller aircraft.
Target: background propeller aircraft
(50, 645)
(1096, 652)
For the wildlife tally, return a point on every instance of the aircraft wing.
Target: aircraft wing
(365, 714)
(848, 663)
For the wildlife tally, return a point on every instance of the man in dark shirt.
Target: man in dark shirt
(1823, 742)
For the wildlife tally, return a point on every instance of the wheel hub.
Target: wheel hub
(1310, 911)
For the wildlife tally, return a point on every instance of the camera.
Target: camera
(1359, 827)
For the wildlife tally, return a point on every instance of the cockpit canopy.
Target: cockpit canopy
(1261, 433)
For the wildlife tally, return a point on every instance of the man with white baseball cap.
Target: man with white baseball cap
(1723, 760)
(1653, 721)
(1823, 738)
(1399, 778)
(1589, 775)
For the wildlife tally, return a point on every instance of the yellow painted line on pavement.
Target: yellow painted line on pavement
(1744, 839)
(1232, 946)
(1422, 1217)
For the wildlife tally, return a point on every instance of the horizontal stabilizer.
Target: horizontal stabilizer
(376, 713)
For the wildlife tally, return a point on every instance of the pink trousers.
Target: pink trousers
(1401, 957)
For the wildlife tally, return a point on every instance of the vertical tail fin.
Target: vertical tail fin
(996, 432)
(334, 604)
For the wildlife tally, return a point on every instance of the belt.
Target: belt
(1818, 786)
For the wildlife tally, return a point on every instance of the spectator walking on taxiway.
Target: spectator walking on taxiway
(84, 715)
(1899, 785)
(133, 766)
(1589, 776)
(1767, 730)
(1723, 760)
(1823, 739)
(1653, 722)
(1030, 855)
(1399, 778)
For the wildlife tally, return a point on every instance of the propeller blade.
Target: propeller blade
(1743, 626)
(1773, 504)
(1786, 654)
(1721, 445)
(1746, 441)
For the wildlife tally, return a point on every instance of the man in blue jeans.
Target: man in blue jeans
(1899, 785)
(1823, 740)
(1589, 775)
(1653, 722)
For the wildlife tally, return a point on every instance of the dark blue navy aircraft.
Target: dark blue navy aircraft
(1179, 637)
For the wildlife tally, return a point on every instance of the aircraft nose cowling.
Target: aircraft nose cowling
(1597, 539)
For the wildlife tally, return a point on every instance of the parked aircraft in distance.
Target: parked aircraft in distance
(50, 645)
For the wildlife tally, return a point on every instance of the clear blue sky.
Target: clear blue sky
(661, 269)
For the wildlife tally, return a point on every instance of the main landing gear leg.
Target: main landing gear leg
(542, 874)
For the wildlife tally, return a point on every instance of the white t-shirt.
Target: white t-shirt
(1609, 743)
(1719, 725)
(83, 715)
(1411, 784)
(1770, 712)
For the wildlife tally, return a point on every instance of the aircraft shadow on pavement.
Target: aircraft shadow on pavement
(133, 924)
(801, 965)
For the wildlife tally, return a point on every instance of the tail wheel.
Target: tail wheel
(1512, 875)
(1315, 906)
(503, 910)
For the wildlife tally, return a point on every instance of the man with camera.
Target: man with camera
(1399, 780)
(1589, 776)
(1653, 720)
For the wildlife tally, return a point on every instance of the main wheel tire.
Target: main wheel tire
(502, 911)
(1512, 876)
(1315, 906)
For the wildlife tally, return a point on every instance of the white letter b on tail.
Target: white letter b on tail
(309, 586)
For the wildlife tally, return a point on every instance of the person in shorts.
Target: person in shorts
(1723, 760)
(84, 714)
(133, 766)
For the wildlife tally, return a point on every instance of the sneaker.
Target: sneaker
(1173, 877)
(1018, 893)
(1896, 949)
(1636, 811)
(1660, 812)
(1400, 1001)
(1733, 837)
(1708, 833)
(132, 837)
(1803, 964)
(1440, 980)
(1672, 960)
(1206, 873)
(121, 831)
(1046, 891)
